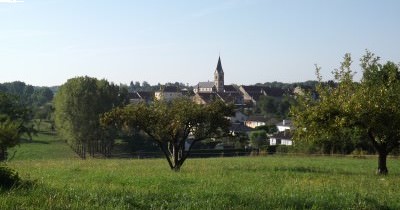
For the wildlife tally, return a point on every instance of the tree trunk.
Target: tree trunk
(382, 168)
(382, 152)
(3, 154)
(176, 158)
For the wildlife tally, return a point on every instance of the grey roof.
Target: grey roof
(252, 89)
(208, 97)
(257, 118)
(230, 88)
(283, 135)
(133, 95)
(234, 97)
(206, 84)
(146, 95)
(239, 127)
(170, 89)
(287, 123)
(275, 92)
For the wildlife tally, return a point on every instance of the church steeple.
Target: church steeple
(219, 65)
(219, 76)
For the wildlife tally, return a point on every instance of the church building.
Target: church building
(205, 92)
(216, 86)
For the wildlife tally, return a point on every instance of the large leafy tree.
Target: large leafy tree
(78, 105)
(171, 124)
(369, 107)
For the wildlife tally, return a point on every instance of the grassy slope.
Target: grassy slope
(43, 146)
(273, 182)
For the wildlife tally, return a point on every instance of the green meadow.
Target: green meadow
(63, 181)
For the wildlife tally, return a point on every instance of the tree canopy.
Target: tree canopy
(78, 105)
(13, 119)
(175, 126)
(369, 107)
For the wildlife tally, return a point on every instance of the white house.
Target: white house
(284, 125)
(168, 93)
(281, 138)
(255, 121)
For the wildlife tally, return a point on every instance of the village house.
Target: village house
(281, 138)
(284, 134)
(168, 93)
(254, 121)
(284, 125)
(141, 97)
(253, 93)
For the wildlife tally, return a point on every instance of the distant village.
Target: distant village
(248, 115)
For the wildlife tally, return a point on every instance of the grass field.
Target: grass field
(272, 182)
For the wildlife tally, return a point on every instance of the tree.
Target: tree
(171, 124)
(21, 90)
(78, 105)
(41, 96)
(258, 139)
(267, 104)
(9, 137)
(369, 107)
(13, 119)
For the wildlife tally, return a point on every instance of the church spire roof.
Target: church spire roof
(219, 65)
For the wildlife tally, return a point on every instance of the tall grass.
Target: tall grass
(214, 183)
(63, 181)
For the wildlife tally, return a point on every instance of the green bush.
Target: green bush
(282, 149)
(8, 178)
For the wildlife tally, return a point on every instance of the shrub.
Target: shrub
(282, 149)
(8, 178)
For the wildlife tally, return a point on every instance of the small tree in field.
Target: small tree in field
(13, 120)
(370, 107)
(170, 124)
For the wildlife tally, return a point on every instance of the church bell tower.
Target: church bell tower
(219, 77)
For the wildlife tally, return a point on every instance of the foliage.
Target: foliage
(170, 124)
(9, 137)
(27, 94)
(278, 106)
(369, 107)
(267, 128)
(14, 121)
(8, 178)
(258, 139)
(78, 105)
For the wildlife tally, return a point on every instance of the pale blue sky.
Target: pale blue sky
(46, 42)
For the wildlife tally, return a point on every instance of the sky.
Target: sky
(47, 42)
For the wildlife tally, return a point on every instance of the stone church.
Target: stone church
(206, 92)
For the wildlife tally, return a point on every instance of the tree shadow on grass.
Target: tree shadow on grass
(302, 169)
(48, 133)
(27, 141)
(9, 179)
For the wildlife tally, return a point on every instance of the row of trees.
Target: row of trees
(368, 109)
(78, 106)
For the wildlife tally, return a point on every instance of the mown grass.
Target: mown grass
(44, 145)
(272, 182)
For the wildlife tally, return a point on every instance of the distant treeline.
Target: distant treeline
(27, 94)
